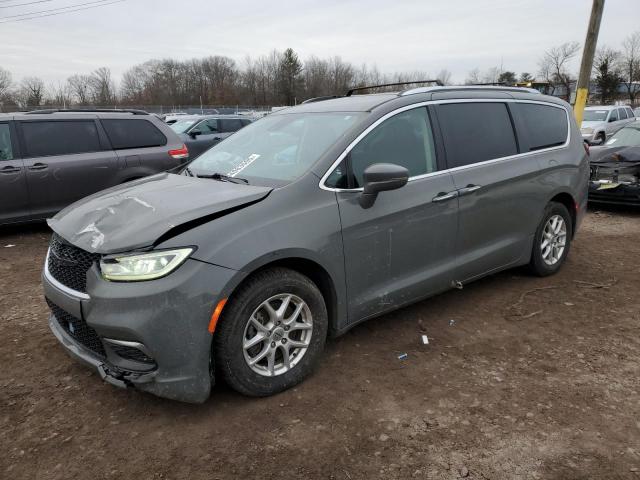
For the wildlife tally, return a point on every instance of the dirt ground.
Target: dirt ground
(523, 378)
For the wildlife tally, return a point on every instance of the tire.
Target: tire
(270, 374)
(540, 264)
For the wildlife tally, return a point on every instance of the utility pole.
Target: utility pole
(582, 88)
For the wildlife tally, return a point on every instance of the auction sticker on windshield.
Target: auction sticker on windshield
(244, 164)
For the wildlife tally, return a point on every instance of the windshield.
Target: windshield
(595, 115)
(629, 136)
(278, 148)
(181, 126)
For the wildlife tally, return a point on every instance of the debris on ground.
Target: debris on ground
(464, 472)
(516, 308)
(582, 283)
(425, 340)
(452, 322)
(403, 356)
(9, 246)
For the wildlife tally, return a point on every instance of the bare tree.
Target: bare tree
(79, 88)
(630, 64)
(102, 87)
(554, 65)
(607, 73)
(31, 92)
(59, 94)
(6, 83)
(473, 77)
(444, 76)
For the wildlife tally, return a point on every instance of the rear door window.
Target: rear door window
(133, 133)
(545, 126)
(231, 124)
(476, 132)
(622, 114)
(614, 116)
(6, 150)
(60, 137)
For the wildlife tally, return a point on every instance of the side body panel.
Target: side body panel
(14, 195)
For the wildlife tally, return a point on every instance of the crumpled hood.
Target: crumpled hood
(137, 213)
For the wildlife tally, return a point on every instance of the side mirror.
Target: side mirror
(194, 133)
(612, 119)
(381, 177)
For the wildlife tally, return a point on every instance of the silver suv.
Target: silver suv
(51, 158)
(599, 123)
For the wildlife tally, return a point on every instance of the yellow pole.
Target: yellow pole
(582, 87)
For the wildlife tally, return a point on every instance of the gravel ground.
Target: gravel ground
(522, 378)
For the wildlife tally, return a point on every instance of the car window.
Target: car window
(181, 126)
(476, 132)
(622, 114)
(595, 115)
(629, 136)
(245, 122)
(546, 126)
(133, 133)
(231, 124)
(6, 150)
(630, 113)
(278, 148)
(207, 127)
(60, 137)
(404, 139)
(614, 116)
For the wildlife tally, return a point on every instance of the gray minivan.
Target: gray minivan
(306, 223)
(52, 158)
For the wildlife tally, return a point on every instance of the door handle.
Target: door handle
(9, 169)
(38, 166)
(442, 196)
(469, 189)
(217, 138)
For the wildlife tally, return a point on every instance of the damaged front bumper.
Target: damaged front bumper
(614, 193)
(149, 335)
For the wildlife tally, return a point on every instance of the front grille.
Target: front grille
(78, 329)
(69, 265)
(131, 353)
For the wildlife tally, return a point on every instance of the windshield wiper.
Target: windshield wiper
(188, 170)
(225, 178)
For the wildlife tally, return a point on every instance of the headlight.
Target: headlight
(143, 266)
(586, 130)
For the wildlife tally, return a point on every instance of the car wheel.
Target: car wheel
(552, 240)
(271, 333)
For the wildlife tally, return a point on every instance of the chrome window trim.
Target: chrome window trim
(124, 343)
(58, 285)
(357, 140)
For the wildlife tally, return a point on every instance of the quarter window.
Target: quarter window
(133, 133)
(622, 114)
(404, 139)
(545, 126)
(6, 150)
(231, 124)
(60, 137)
(476, 132)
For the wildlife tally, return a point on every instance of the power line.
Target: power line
(28, 3)
(60, 13)
(52, 9)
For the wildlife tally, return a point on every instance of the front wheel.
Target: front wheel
(552, 240)
(271, 333)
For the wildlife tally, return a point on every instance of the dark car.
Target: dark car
(49, 159)
(306, 223)
(200, 132)
(615, 168)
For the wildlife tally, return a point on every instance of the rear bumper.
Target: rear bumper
(167, 318)
(620, 195)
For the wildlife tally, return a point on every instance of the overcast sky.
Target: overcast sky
(425, 35)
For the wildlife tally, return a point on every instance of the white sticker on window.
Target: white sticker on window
(244, 164)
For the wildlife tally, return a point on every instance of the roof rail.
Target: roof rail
(355, 89)
(87, 110)
(468, 87)
(320, 99)
(488, 84)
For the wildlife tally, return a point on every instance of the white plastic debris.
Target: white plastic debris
(9, 246)
(402, 356)
(425, 340)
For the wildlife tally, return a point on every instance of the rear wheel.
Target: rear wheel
(552, 240)
(272, 333)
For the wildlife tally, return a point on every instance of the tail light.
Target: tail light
(586, 147)
(179, 153)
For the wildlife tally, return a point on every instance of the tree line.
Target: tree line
(282, 78)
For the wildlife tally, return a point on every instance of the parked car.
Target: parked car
(615, 168)
(51, 158)
(173, 117)
(306, 223)
(599, 123)
(200, 132)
